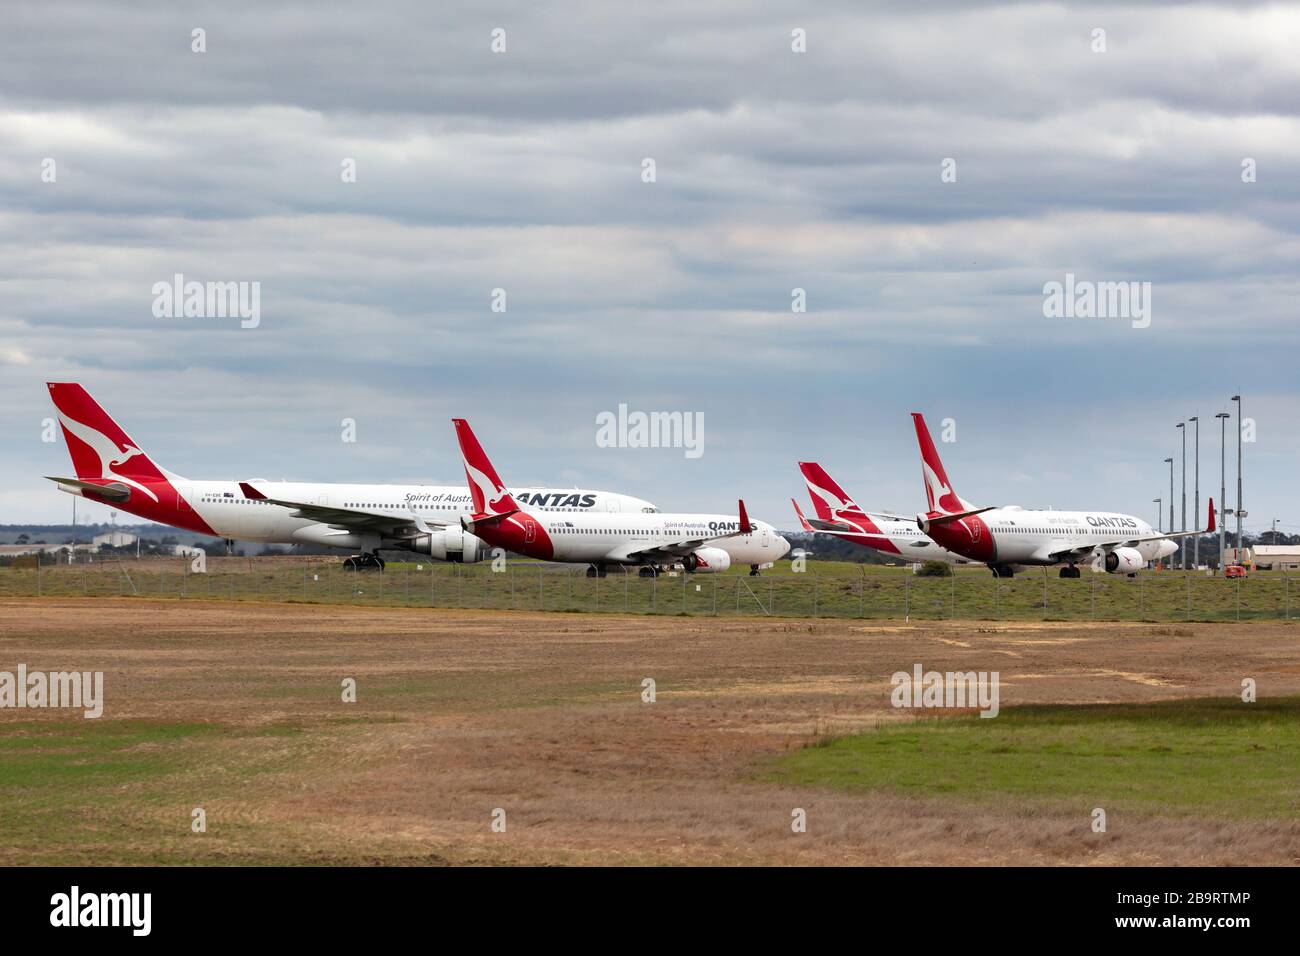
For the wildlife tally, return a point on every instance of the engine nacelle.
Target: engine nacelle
(452, 544)
(1124, 561)
(707, 561)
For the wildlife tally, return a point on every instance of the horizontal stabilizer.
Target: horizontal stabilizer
(110, 492)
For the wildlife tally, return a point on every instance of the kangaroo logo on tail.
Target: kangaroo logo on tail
(938, 489)
(488, 492)
(116, 457)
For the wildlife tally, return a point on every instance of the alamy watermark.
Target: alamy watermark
(208, 300)
(1085, 299)
(959, 689)
(80, 690)
(624, 429)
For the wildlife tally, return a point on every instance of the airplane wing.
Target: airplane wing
(672, 550)
(1091, 546)
(347, 519)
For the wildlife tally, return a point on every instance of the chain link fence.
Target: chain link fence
(867, 592)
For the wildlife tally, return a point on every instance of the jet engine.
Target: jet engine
(451, 544)
(707, 561)
(1124, 561)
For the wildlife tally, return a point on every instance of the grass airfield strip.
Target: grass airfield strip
(236, 709)
(1205, 755)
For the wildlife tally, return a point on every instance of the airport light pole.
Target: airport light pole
(1182, 542)
(1223, 482)
(1237, 399)
(1160, 518)
(1171, 493)
(1196, 493)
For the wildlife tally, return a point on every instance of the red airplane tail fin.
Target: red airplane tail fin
(827, 496)
(939, 492)
(99, 448)
(489, 494)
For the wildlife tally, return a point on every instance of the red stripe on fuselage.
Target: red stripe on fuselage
(521, 533)
(970, 537)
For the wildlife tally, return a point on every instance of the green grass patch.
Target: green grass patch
(1195, 756)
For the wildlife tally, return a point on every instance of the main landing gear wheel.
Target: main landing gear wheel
(1070, 571)
(1002, 570)
(363, 562)
(597, 571)
(753, 570)
(649, 571)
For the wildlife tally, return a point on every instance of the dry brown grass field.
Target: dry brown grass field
(236, 708)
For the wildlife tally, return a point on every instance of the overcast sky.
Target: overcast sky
(775, 170)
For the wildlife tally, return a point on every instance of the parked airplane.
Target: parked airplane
(839, 515)
(1004, 536)
(698, 542)
(425, 519)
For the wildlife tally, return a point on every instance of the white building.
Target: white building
(1277, 557)
(113, 539)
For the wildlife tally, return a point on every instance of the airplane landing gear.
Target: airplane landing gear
(1070, 571)
(753, 570)
(1002, 570)
(364, 562)
(649, 571)
(597, 571)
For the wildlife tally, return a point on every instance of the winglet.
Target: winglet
(745, 526)
(250, 492)
(803, 522)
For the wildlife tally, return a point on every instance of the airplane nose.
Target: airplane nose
(783, 544)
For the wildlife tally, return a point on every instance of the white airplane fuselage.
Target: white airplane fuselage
(608, 538)
(223, 507)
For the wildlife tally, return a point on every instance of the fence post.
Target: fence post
(814, 596)
(38, 574)
(907, 594)
(1189, 595)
